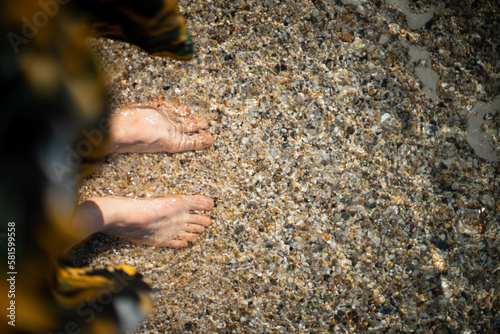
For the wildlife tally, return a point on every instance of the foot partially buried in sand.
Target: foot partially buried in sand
(165, 221)
(157, 127)
(161, 222)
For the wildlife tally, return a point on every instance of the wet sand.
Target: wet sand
(355, 168)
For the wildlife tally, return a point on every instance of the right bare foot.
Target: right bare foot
(161, 222)
(157, 127)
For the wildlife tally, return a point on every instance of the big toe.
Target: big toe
(200, 202)
(197, 141)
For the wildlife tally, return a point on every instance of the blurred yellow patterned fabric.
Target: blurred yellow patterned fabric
(53, 132)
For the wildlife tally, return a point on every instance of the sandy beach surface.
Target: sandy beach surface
(355, 168)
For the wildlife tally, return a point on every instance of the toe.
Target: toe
(170, 104)
(200, 141)
(175, 107)
(184, 143)
(189, 237)
(195, 228)
(175, 244)
(199, 220)
(192, 124)
(201, 202)
(183, 111)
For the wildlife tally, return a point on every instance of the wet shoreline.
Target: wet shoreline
(349, 197)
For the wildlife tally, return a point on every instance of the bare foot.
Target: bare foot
(157, 127)
(161, 222)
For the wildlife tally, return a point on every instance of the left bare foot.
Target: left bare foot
(161, 222)
(157, 127)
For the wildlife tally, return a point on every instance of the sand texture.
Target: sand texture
(355, 168)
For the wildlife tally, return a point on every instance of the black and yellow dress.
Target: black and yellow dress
(53, 98)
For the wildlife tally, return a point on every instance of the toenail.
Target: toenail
(207, 138)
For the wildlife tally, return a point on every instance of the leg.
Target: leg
(154, 25)
(157, 127)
